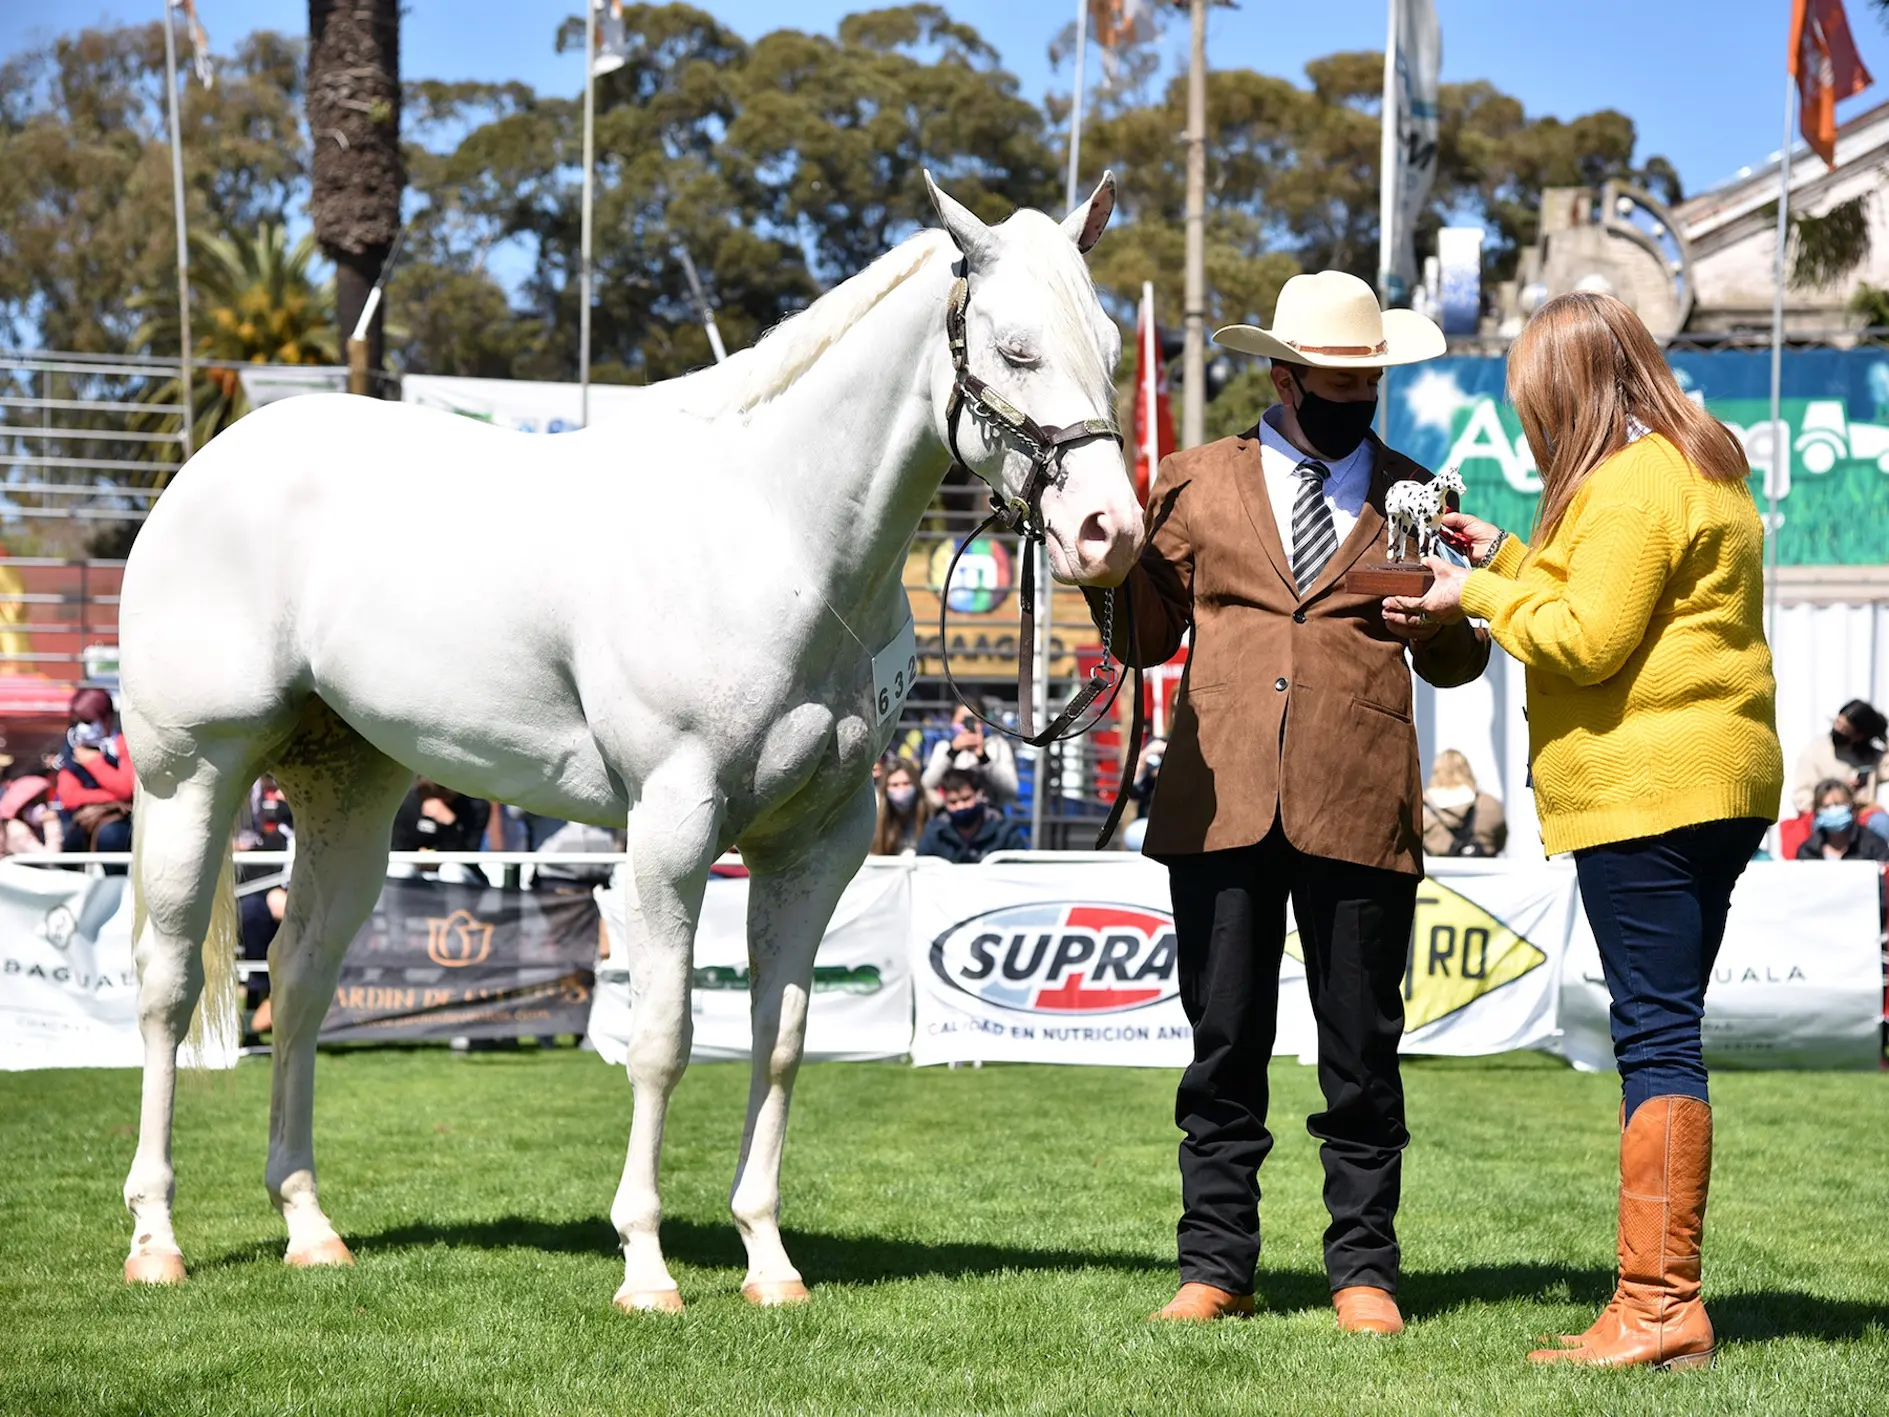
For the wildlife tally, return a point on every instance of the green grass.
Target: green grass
(980, 1241)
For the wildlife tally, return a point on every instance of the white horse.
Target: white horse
(1415, 511)
(668, 621)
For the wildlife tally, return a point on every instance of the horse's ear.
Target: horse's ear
(970, 235)
(1084, 225)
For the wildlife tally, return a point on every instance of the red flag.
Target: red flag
(1827, 68)
(1154, 415)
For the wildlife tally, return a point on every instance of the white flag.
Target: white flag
(1418, 57)
(199, 42)
(613, 45)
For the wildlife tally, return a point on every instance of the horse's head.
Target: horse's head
(1037, 337)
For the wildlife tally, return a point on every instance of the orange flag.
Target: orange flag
(1827, 68)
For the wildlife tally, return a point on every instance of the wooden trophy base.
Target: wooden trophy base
(1411, 578)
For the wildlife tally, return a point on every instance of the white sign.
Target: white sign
(1798, 982)
(861, 1007)
(894, 668)
(1047, 962)
(68, 988)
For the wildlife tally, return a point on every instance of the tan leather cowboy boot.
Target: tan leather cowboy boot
(1199, 1303)
(1365, 1309)
(1656, 1315)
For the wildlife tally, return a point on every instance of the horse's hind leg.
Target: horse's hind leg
(344, 793)
(183, 831)
(790, 903)
(674, 833)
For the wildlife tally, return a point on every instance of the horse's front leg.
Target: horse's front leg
(790, 903)
(673, 839)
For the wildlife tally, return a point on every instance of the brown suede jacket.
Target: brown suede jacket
(1294, 707)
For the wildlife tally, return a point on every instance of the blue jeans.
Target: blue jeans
(1658, 907)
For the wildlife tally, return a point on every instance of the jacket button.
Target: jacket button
(1298, 617)
(1280, 685)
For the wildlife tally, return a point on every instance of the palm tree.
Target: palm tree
(354, 125)
(254, 302)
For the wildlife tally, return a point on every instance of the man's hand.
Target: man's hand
(83, 754)
(1417, 618)
(969, 737)
(436, 808)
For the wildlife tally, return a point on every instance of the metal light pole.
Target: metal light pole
(1194, 351)
(583, 259)
(1780, 442)
(188, 436)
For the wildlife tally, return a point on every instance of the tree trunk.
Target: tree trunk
(354, 126)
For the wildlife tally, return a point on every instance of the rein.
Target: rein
(1023, 516)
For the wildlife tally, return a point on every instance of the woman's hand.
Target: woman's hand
(1419, 617)
(1479, 534)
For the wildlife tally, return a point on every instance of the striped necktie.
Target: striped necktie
(1314, 536)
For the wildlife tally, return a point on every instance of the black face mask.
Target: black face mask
(1334, 428)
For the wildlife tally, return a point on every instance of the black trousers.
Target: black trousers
(1354, 923)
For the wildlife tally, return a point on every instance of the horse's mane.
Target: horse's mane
(753, 376)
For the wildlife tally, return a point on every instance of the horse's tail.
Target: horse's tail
(214, 1027)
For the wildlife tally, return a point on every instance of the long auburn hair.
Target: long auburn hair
(1580, 369)
(885, 839)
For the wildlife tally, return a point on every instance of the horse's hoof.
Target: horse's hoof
(648, 1301)
(777, 1294)
(320, 1254)
(155, 1267)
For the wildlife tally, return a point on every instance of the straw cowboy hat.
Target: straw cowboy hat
(1332, 320)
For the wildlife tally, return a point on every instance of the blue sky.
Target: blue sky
(1703, 79)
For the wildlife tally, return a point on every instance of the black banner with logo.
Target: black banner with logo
(441, 961)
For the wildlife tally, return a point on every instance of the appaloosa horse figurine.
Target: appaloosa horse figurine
(699, 601)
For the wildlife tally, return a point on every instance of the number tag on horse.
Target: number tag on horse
(893, 670)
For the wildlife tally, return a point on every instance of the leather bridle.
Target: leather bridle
(1023, 516)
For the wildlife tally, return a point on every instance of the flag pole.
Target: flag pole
(1075, 111)
(583, 259)
(1150, 391)
(1780, 442)
(1194, 311)
(186, 374)
(1387, 169)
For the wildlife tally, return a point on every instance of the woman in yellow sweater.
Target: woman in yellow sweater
(1638, 614)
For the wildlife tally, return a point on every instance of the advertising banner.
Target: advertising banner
(439, 961)
(861, 1007)
(1050, 962)
(1828, 465)
(68, 988)
(1798, 982)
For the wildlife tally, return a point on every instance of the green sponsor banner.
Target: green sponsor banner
(1829, 469)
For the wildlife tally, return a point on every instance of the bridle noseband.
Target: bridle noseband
(1023, 516)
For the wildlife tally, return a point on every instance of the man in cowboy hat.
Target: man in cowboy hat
(1291, 774)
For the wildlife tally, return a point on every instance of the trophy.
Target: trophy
(1414, 513)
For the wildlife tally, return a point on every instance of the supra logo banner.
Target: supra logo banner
(458, 940)
(1061, 958)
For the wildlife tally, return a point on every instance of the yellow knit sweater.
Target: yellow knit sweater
(1651, 703)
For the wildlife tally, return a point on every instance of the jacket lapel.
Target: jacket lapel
(1249, 475)
(1369, 530)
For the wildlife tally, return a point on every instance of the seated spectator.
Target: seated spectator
(28, 824)
(904, 811)
(1459, 820)
(435, 818)
(267, 824)
(969, 750)
(1835, 834)
(1141, 795)
(95, 782)
(1851, 752)
(969, 828)
(258, 914)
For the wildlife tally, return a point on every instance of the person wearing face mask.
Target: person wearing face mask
(95, 783)
(1291, 774)
(28, 824)
(1851, 752)
(1835, 833)
(903, 810)
(969, 828)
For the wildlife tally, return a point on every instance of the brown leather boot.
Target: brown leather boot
(1656, 1315)
(1363, 1308)
(1199, 1303)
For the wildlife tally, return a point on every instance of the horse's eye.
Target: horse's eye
(1017, 356)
